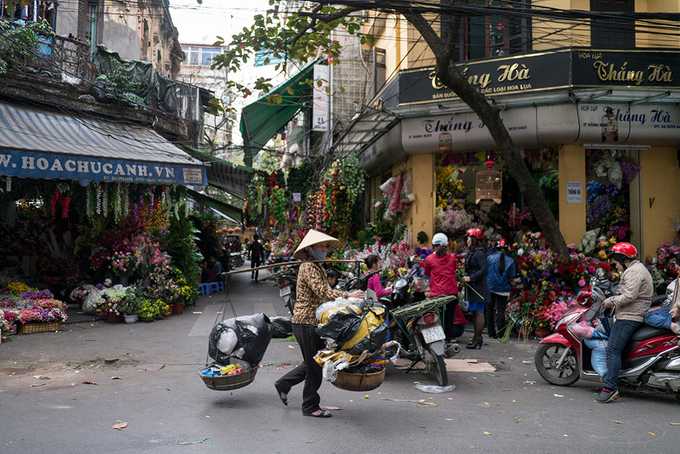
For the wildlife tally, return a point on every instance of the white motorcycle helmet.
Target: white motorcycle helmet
(439, 239)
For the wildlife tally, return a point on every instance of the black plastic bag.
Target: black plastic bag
(281, 327)
(341, 327)
(253, 333)
(373, 342)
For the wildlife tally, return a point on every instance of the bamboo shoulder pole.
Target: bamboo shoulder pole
(285, 264)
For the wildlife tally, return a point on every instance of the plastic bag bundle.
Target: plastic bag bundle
(281, 327)
(252, 334)
(355, 333)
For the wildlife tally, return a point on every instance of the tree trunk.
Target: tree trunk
(449, 74)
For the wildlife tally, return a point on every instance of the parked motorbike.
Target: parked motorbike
(418, 327)
(286, 281)
(652, 360)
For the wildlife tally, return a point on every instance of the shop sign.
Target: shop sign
(459, 132)
(320, 98)
(626, 124)
(642, 69)
(574, 192)
(488, 186)
(549, 70)
(28, 164)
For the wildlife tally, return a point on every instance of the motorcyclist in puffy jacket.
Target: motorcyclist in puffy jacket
(629, 306)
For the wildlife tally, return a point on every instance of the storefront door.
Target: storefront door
(613, 193)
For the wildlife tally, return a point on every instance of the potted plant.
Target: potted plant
(129, 307)
(148, 311)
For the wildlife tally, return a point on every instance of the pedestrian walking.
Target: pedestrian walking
(312, 290)
(256, 250)
(475, 278)
(500, 272)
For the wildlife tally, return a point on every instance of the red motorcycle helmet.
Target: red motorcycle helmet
(475, 233)
(625, 249)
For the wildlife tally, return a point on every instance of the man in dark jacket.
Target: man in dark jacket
(256, 256)
(500, 270)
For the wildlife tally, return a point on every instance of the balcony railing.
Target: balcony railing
(65, 58)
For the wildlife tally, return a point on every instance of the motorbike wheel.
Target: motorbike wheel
(546, 359)
(438, 370)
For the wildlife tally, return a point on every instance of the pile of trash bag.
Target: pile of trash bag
(355, 332)
(282, 327)
(245, 338)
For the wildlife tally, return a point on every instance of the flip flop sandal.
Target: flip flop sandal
(319, 414)
(283, 396)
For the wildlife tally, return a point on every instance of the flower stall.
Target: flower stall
(132, 235)
(27, 310)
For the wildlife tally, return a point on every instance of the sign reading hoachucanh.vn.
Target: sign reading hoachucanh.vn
(29, 164)
(549, 70)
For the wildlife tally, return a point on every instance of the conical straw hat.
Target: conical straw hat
(312, 238)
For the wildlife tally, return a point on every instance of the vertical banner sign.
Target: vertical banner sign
(320, 117)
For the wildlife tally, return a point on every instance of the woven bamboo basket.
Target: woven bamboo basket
(229, 383)
(350, 381)
(33, 328)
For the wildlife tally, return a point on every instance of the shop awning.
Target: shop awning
(38, 143)
(365, 130)
(261, 120)
(228, 211)
(225, 175)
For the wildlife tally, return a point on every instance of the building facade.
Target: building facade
(136, 30)
(196, 70)
(594, 104)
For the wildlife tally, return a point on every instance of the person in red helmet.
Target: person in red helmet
(629, 306)
(475, 271)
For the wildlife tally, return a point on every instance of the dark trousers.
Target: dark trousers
(620, 335)
(495, 314)
(309, 371)
(255, 274)
(452, 331)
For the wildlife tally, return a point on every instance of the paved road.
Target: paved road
(168, 410)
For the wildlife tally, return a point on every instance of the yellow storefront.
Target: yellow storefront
(588, 108)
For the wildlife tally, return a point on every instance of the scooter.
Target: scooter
(651, 362)
(419, 328)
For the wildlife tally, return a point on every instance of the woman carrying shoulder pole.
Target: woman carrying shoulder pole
(312, 290)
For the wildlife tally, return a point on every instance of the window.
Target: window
(30, 10)
(487, 36)
(612, 33)
(208, 53)
(202, 56)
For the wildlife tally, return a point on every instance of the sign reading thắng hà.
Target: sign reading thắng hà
(578, 68)
(28, 164)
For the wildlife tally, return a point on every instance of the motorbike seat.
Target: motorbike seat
(647, 332)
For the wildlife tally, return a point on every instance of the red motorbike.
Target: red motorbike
(652, 360)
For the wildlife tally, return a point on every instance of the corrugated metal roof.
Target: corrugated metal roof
(32, 129)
